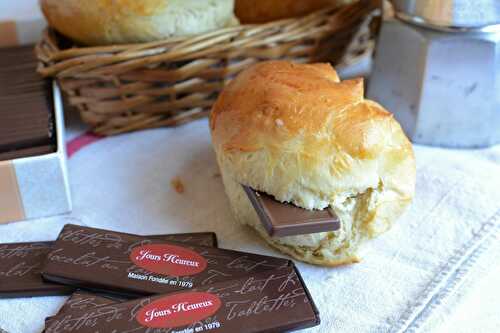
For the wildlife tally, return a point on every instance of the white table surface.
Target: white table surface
(122, 183)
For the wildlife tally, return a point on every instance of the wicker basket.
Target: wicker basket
(130, 87)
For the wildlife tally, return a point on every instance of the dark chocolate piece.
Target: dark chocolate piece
(105, 261)
(20, 265)
(26, 105)
(269, 301)
(283, 219)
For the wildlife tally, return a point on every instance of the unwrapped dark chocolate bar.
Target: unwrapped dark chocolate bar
(282, 219)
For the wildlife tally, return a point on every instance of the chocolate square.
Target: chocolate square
(284, 219)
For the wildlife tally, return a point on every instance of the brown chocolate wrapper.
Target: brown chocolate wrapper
(269, 301)
(20, 265)
(82, 300)
(104, 261)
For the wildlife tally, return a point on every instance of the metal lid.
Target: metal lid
(459, 14)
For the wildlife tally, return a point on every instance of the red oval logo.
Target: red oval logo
(168, 260)
(178, 310)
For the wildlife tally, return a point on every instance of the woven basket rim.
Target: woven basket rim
(54, 59)
(247, 28)
(126, 87)
(203, 35)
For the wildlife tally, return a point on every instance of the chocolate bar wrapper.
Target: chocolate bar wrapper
(195, 238)
(81, 300)
(20, 265)
(105, 261)
(269, 301)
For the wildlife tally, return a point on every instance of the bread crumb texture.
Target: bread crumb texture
(177, 185)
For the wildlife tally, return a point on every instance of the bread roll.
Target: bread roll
(300, 134)
(101, 22)
(260, 11)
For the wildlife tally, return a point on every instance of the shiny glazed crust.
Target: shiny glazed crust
(260, 11)
(300, 134)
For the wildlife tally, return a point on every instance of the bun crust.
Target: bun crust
(104, 22)
(300, 134)
(261, 11)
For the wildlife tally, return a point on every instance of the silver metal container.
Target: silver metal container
(438, 70)
(450, 14)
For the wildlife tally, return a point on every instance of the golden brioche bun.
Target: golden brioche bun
(260, 11)
(303, 136)
(102, 22)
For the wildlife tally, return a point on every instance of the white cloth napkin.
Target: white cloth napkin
(411, 278)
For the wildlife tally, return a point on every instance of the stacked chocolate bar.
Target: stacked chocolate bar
(176, 283)
(26, 108)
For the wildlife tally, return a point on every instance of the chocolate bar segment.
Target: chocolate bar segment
(26, 106)
(197, 238)
(20, 265)
(283, 219)
(269, 301)
(81, 300)
(194, 238)
(105, 261)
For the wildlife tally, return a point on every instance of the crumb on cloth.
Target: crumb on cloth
(177, 185)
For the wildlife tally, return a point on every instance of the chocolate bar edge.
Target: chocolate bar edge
(260, 212)
(308, 293)
(63, 291)
(99, 289)
(312, 227)
(283, 231)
